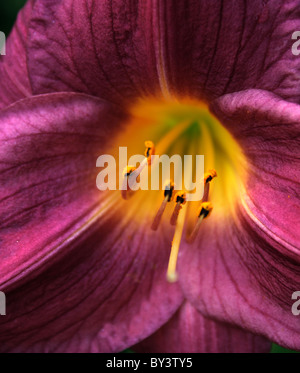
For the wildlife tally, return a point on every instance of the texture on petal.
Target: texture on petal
(102, 48)
(245, 269)
(268, 129)
(49, 147)
(14, 79)
(122, 49)
(78, 272)
(107, 294)
(190, 332)
(216, 47)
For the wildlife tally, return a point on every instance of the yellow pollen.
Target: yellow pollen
(128, 170)
(205, 209)
(208, 176)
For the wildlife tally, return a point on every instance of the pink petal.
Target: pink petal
(244, 269)
(106, 294)
(79, 273)
(123, 49)
(267, 129)
(14, 79)
(190, 332)
(235, 274)
(49, 147)
(98, 47)
(215, 47)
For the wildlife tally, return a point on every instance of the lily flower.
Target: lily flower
(83, 270)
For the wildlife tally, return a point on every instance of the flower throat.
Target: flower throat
(180, 128)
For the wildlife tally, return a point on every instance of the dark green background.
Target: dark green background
(8, 13)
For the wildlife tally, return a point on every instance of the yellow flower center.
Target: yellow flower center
(183, 127)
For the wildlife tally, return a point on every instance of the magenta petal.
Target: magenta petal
(236, 274)
(80, 274)
(244, 269)
(14, 79)
(216, 47)
(122, 49)
(267, 129)
(49, 148)
(108, 293)
(190, 332)
(102, 48)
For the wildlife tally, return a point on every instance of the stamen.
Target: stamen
(204, 212)
(127, 173)
(208, 176)
(131, 171)
(150, 150)
(168, 196)
(180, 200)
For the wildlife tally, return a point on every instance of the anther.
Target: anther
(208, 176)
(180, 199)
(150, 150)
(131, 171)
(128, 170)
(205, 209)
(168, 196)
(204, 212)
